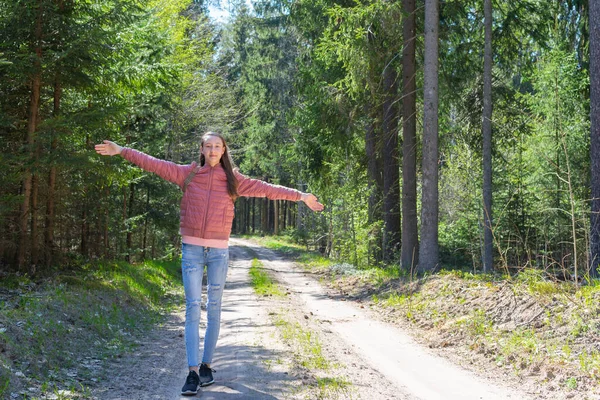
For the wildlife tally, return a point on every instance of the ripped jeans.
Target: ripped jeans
(193, 260)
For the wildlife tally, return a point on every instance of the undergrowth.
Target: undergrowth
(55, 335)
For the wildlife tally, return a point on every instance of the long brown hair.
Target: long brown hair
(226, 162)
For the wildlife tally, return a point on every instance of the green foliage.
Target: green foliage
(137, 73)
(102, 309)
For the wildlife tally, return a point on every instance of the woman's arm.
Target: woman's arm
(165, 169)
(256, 188)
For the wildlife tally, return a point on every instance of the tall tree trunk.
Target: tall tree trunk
(83, 242)
(276, 217)
(429, 249)
(49, 245)
(410, 235)
(34, 105)
(145, 236)
(264, 216)
(488, 258)
(271, 220)
(391, 171)
(253, 209)
(373, 172)
(129, 240)
(34, 211)
(594, 21)
(375, 183)
(106, 223)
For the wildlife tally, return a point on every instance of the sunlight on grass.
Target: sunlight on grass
(306, 345)
(336, 386)
(261, 281)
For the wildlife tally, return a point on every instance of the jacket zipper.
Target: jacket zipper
(207, 201)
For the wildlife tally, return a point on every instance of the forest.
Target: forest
(457, 134)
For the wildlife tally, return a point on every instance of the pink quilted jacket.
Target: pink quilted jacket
(206, 208)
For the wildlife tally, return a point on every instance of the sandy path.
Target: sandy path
(253, 361)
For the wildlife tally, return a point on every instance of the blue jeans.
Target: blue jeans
(193, 260)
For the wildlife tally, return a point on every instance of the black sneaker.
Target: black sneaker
(206, 376)
(191, 384)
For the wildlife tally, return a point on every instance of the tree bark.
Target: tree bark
(253, 210)
(429, 248)
(34, 212)
(410, 236)
(594, 18)
(145, 236)
(49, 245)
(264, 216)
(84, 239)
(276, 217)
(391, 172)
(34, 105)
(129, 240)
(488, 258)
(373, 172)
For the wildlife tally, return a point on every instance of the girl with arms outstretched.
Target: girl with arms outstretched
(206, 216)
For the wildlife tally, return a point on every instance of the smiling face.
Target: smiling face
(213, 149)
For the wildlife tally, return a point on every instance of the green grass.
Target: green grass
(307, 346)
(332, 386)
(261, 281)
(93, 313)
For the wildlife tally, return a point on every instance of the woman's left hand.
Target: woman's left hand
(312, 202)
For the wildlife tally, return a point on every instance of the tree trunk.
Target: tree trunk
(373, 172)
(145, 236)
(106, 223)
(34, 213)
(129, 241)
(253, 209)
(49, 245)
(264, 216)
(34, 105)
(410, 236)
(84, 239)
(595, 136)
(284, 213)
(391, 172)
(488, 258)
(375, 185)
(429, 249)
(276, 217)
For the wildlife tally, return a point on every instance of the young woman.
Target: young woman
(209, 191)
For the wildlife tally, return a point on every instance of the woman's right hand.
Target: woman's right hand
(108, 148)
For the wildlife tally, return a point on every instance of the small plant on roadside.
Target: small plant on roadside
(261, 281)
(335, 386)
(589, 363)
(571, 383)
(308, 347)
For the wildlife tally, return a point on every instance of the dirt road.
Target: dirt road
(304, 345)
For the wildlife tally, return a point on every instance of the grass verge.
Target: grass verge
(55, 335)
(307, 351)
(261, 282)
(544, 332)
